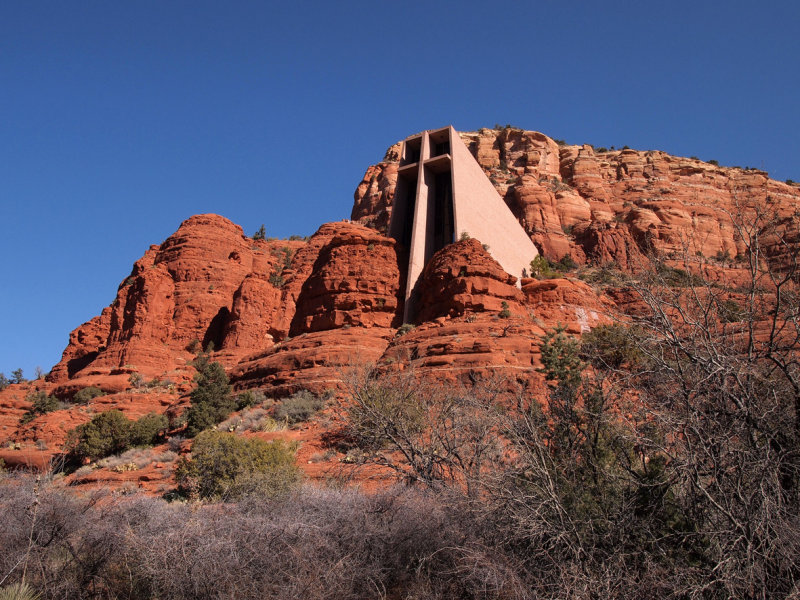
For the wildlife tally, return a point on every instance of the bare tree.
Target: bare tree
(424, 431)
(722, 380)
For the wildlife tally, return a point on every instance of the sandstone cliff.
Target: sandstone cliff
(289, 315)
(602, 206)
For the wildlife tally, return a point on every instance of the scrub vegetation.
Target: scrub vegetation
(661, 459)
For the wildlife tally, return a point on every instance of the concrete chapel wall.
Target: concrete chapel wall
(481, 212)
(477, 208)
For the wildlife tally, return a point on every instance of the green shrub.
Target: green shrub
(41, 404)
(566, 264)
(87, 394)
(260, 234)
(722, 256)
(147, 430)
(224, 465)
(17, 376)
(675, 277)
(560, 360)
(211, 400)
(505, 313)
(731, 312)
(4, 382)
(612, 346)
(607, 274)
(298, 407)
(249, 398)
(404, 329)
(111, 432)
(106, 434)
(541, 268)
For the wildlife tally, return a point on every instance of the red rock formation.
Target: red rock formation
(263, 304)
(345, 304)
(292, 315)
(461, 278)
(608, 206)
(354, 282)
(206, 282)
(567, 302)
(475, 322)
(314, 361)
(376, 191)
(35, 443)
(482, 345)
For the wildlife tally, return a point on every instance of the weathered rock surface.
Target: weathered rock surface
(354, 282)
(35, 443)
(314, 361)
(459, 350)
(605, 206)
(206, 283)
(287, 315)
(461, 278)
(568, 302)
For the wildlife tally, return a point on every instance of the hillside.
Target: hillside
(291, 315)
(252, 418)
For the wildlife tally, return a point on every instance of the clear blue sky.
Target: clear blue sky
(118, 120)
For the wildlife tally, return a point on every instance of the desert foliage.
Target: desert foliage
(658, 457)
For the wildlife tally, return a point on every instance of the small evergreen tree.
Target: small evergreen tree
(107, 433)
(87, 394)
(212, 400)
(41, 404)
(224, 465)
(260, 234)
(542, 269)
(505, 313)
(147, 430)
(17, 377)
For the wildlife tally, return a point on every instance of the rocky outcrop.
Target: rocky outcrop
(462, 278)
(315, 361)
(354, 282)
(457, 351)
(607, 206)
(207, 283)
(567, 302)
(374, 195)
(287, 315)
(344, 313)
(254, 299)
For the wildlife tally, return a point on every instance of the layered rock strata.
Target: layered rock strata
(287, 315)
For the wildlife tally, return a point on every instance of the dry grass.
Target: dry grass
(251, 419)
